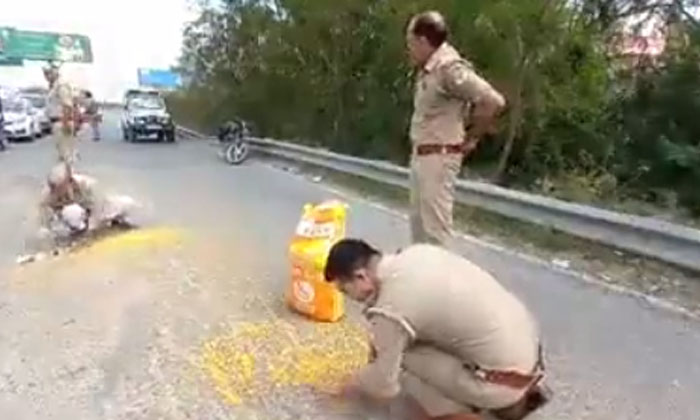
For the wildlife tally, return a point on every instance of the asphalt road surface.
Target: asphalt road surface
(119, 334)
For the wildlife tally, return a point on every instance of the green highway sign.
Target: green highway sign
(7, 61)
(5, 35)
(45, 46)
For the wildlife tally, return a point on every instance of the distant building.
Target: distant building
(642, 46)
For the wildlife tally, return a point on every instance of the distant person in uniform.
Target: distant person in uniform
(2, 128)
(92, 114)
(443, 330)
(64, 112)
(447, 87)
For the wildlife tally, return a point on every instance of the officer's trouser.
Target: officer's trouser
(65, 144)
(442, 385)
(2, 137)
(95, 127)
(433, 179)
(114, 208)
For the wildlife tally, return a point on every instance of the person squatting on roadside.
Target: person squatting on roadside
(72, 204)
(443, 331)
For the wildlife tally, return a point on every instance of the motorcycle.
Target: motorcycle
(233, 137)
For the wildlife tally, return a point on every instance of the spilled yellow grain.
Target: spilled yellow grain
(99, 254)
(134, 240)
(255, 359)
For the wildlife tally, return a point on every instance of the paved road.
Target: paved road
(118, 336)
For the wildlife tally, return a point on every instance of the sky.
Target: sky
(125, 35)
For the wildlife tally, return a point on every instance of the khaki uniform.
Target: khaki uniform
(438, 319)
(446, 88)
(85, 194)
(61, 96)
(103, 209)
(2, 131)
(92, 111)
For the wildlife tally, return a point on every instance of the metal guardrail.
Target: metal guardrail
(184, 131)
(646, 236)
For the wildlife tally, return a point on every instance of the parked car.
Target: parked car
(34, 90)
(39, 103)
(147, 116)
(21, 120)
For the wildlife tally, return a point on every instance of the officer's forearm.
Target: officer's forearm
(373, 385)
(45, 215)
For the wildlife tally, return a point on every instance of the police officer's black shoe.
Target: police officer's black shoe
(534, 399)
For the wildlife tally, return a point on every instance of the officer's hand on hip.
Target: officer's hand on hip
(470, 144)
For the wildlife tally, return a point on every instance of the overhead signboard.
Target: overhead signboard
(160, 79)
(45, 46)
(7, 61)
(5, 34)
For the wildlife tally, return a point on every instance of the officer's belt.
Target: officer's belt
(511, 378)
(439, 149)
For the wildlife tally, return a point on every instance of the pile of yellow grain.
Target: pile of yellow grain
(255, 360)
(106, 252)
(137, 239)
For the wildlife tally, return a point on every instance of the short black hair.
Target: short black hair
(430, 25)
(347, 256)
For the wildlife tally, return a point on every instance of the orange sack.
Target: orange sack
(321, 226)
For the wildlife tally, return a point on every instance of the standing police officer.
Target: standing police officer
(2, 128)
(64, 113)
(446, 88)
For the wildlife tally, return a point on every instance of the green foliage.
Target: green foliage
(662, 129)
(335, 74)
